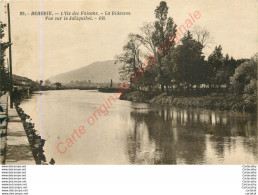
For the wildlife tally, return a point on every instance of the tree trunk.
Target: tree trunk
(162, 87)
(167, 90)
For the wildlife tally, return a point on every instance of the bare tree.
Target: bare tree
(202, 36)
(146, 38)
(130, 58)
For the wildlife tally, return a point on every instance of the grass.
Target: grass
(219, 101)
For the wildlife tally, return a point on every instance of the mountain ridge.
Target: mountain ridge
(97, 72)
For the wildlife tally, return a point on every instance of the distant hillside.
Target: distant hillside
(97, 72)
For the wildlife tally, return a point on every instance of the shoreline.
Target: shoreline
(214, 101)
(35, 140)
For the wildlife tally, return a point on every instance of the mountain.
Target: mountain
(97, 72)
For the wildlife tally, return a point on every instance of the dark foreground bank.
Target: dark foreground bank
(35, 140)
(218, 101)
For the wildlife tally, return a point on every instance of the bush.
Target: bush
(244, 82)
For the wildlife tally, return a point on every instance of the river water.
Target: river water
(139, 133)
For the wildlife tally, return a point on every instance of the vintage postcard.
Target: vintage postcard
(129, 82)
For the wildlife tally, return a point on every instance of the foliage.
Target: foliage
(244, 74)
(4, 76)
(164, 27)
(245, 79)
(48, 83)
(131, 60)
(189, 61)
(182, 68)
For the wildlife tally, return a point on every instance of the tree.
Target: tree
(48, 83)
(130, 58)
(189, 61)
(153, 42)
(216, 64)
(150, 77)
(40, 83)
(244, 81)
(202, 36)
(229, 66)
(4, 75)
(245, 74)
(222, 68)
(164, 27)
(58, 85)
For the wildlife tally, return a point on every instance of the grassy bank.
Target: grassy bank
(139, 96)
(218, 101)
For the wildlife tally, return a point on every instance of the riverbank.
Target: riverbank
(217, 101)
(35, 141)
(15, 148)
(44, 88)
(185, 131)
(3, 126)
(16, 129)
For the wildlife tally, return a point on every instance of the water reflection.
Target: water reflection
(191, 136)
(135, 133)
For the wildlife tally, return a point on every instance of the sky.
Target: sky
(45, 49)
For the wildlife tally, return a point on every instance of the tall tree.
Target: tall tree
(229, 66)
(131, 61)
(164, 27)
(155, 42)
(215, 60)
(189, 61)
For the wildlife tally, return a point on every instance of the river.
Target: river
(139, 133)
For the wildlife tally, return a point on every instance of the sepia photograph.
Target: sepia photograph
(128, 82)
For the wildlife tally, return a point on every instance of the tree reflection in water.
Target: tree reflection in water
(191, 136)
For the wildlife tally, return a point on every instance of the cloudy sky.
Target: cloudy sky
(68, 45)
